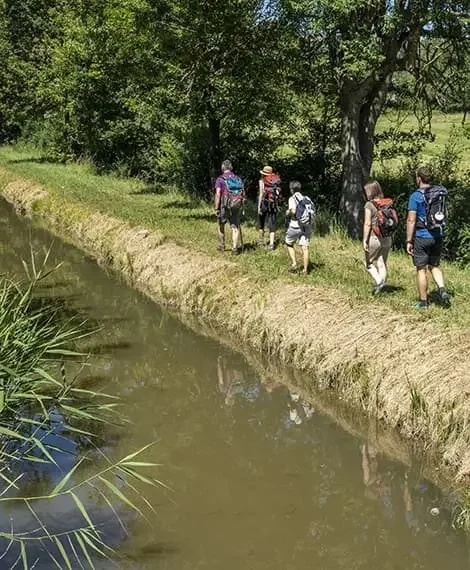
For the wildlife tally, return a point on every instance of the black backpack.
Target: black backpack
(435, 204)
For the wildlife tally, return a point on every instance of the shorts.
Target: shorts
(301, 235)
(231, 216)
(427, 251)
(378, 248)
(267, 220)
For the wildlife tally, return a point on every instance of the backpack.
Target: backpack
(272, 193)
(387, 217)
(305, 211)
(435, 204)
(234, 190)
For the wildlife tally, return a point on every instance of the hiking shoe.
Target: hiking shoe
(445, 297)
(420, 305)
(235, 251)
(378, 289)
(221, 248)
(271, 247)
(293, 269)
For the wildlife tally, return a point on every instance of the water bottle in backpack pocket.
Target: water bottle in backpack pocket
(435, 203)
(387, 217)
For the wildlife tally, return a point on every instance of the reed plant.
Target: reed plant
(48, 426)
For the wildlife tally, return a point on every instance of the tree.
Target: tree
(226, 60)
(363, 43)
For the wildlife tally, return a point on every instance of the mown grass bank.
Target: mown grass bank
(410, 370)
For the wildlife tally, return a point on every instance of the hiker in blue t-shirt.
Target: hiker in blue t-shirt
(424, 240)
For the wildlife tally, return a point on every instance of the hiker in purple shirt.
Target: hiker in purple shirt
(228, 202)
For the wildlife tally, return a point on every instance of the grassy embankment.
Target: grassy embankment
(190, 223)
(322, 324)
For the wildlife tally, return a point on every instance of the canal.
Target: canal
(258, 477)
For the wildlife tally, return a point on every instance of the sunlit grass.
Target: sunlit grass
(337, 260)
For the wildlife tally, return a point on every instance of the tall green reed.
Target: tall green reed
(38, 402)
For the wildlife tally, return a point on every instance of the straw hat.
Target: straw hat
(267, 170)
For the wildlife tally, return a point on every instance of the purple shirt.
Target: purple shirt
(220, 183)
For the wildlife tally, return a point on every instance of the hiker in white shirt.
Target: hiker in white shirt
(301, 212)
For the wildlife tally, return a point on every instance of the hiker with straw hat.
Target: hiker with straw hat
(269, 197)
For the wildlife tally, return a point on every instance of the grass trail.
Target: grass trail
(191, 223)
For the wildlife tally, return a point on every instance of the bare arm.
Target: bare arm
(260, 195)
(367, 228)
(217, 200)
(410, 231)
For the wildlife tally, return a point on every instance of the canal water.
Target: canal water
(259, 479)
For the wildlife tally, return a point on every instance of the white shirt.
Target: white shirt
(293, 201)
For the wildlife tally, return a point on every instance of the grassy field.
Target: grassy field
(442, 127)
(337, 260)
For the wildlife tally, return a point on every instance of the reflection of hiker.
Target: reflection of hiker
(380, 222)
(299, 410)
(269, 197)
(301, 212)
(424, 234)
(410, 517)
(377, 486)
(228, 202)
(226, 381)
(232, 382)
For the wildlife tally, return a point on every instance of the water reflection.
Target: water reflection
(401, 496)
(261, 478)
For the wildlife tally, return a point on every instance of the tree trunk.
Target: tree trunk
(354, 169)
(361, 108)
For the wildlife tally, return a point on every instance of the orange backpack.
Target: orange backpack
(387, 217)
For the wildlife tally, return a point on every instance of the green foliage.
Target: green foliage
(42, 412)
(165, 89)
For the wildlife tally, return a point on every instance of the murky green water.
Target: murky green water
(260, 479)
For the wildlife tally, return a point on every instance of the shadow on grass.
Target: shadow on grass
(390, 289)
(435, 299)
(202, 217)
(36, 160)
(182, 206)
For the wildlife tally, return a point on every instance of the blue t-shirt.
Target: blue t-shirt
(416, 204)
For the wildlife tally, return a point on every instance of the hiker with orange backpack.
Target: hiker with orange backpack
(269, 197)
(380, 223)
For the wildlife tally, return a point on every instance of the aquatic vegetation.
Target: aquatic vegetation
(55, 480)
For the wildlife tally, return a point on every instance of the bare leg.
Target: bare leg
(235, 233)
(261, 236)
(437, 276)
(291, 252)
(305, 256)
(271, 238)
(422, 283)
(240, 238)
(221, 233)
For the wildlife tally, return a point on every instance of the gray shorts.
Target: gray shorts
(301, 235)
(232, 215)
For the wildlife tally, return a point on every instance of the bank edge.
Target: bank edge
(409, 374)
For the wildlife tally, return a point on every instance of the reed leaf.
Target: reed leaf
(38, 401)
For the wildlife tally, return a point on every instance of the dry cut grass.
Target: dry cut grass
(409, 372)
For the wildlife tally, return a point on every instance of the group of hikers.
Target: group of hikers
(424, 226)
